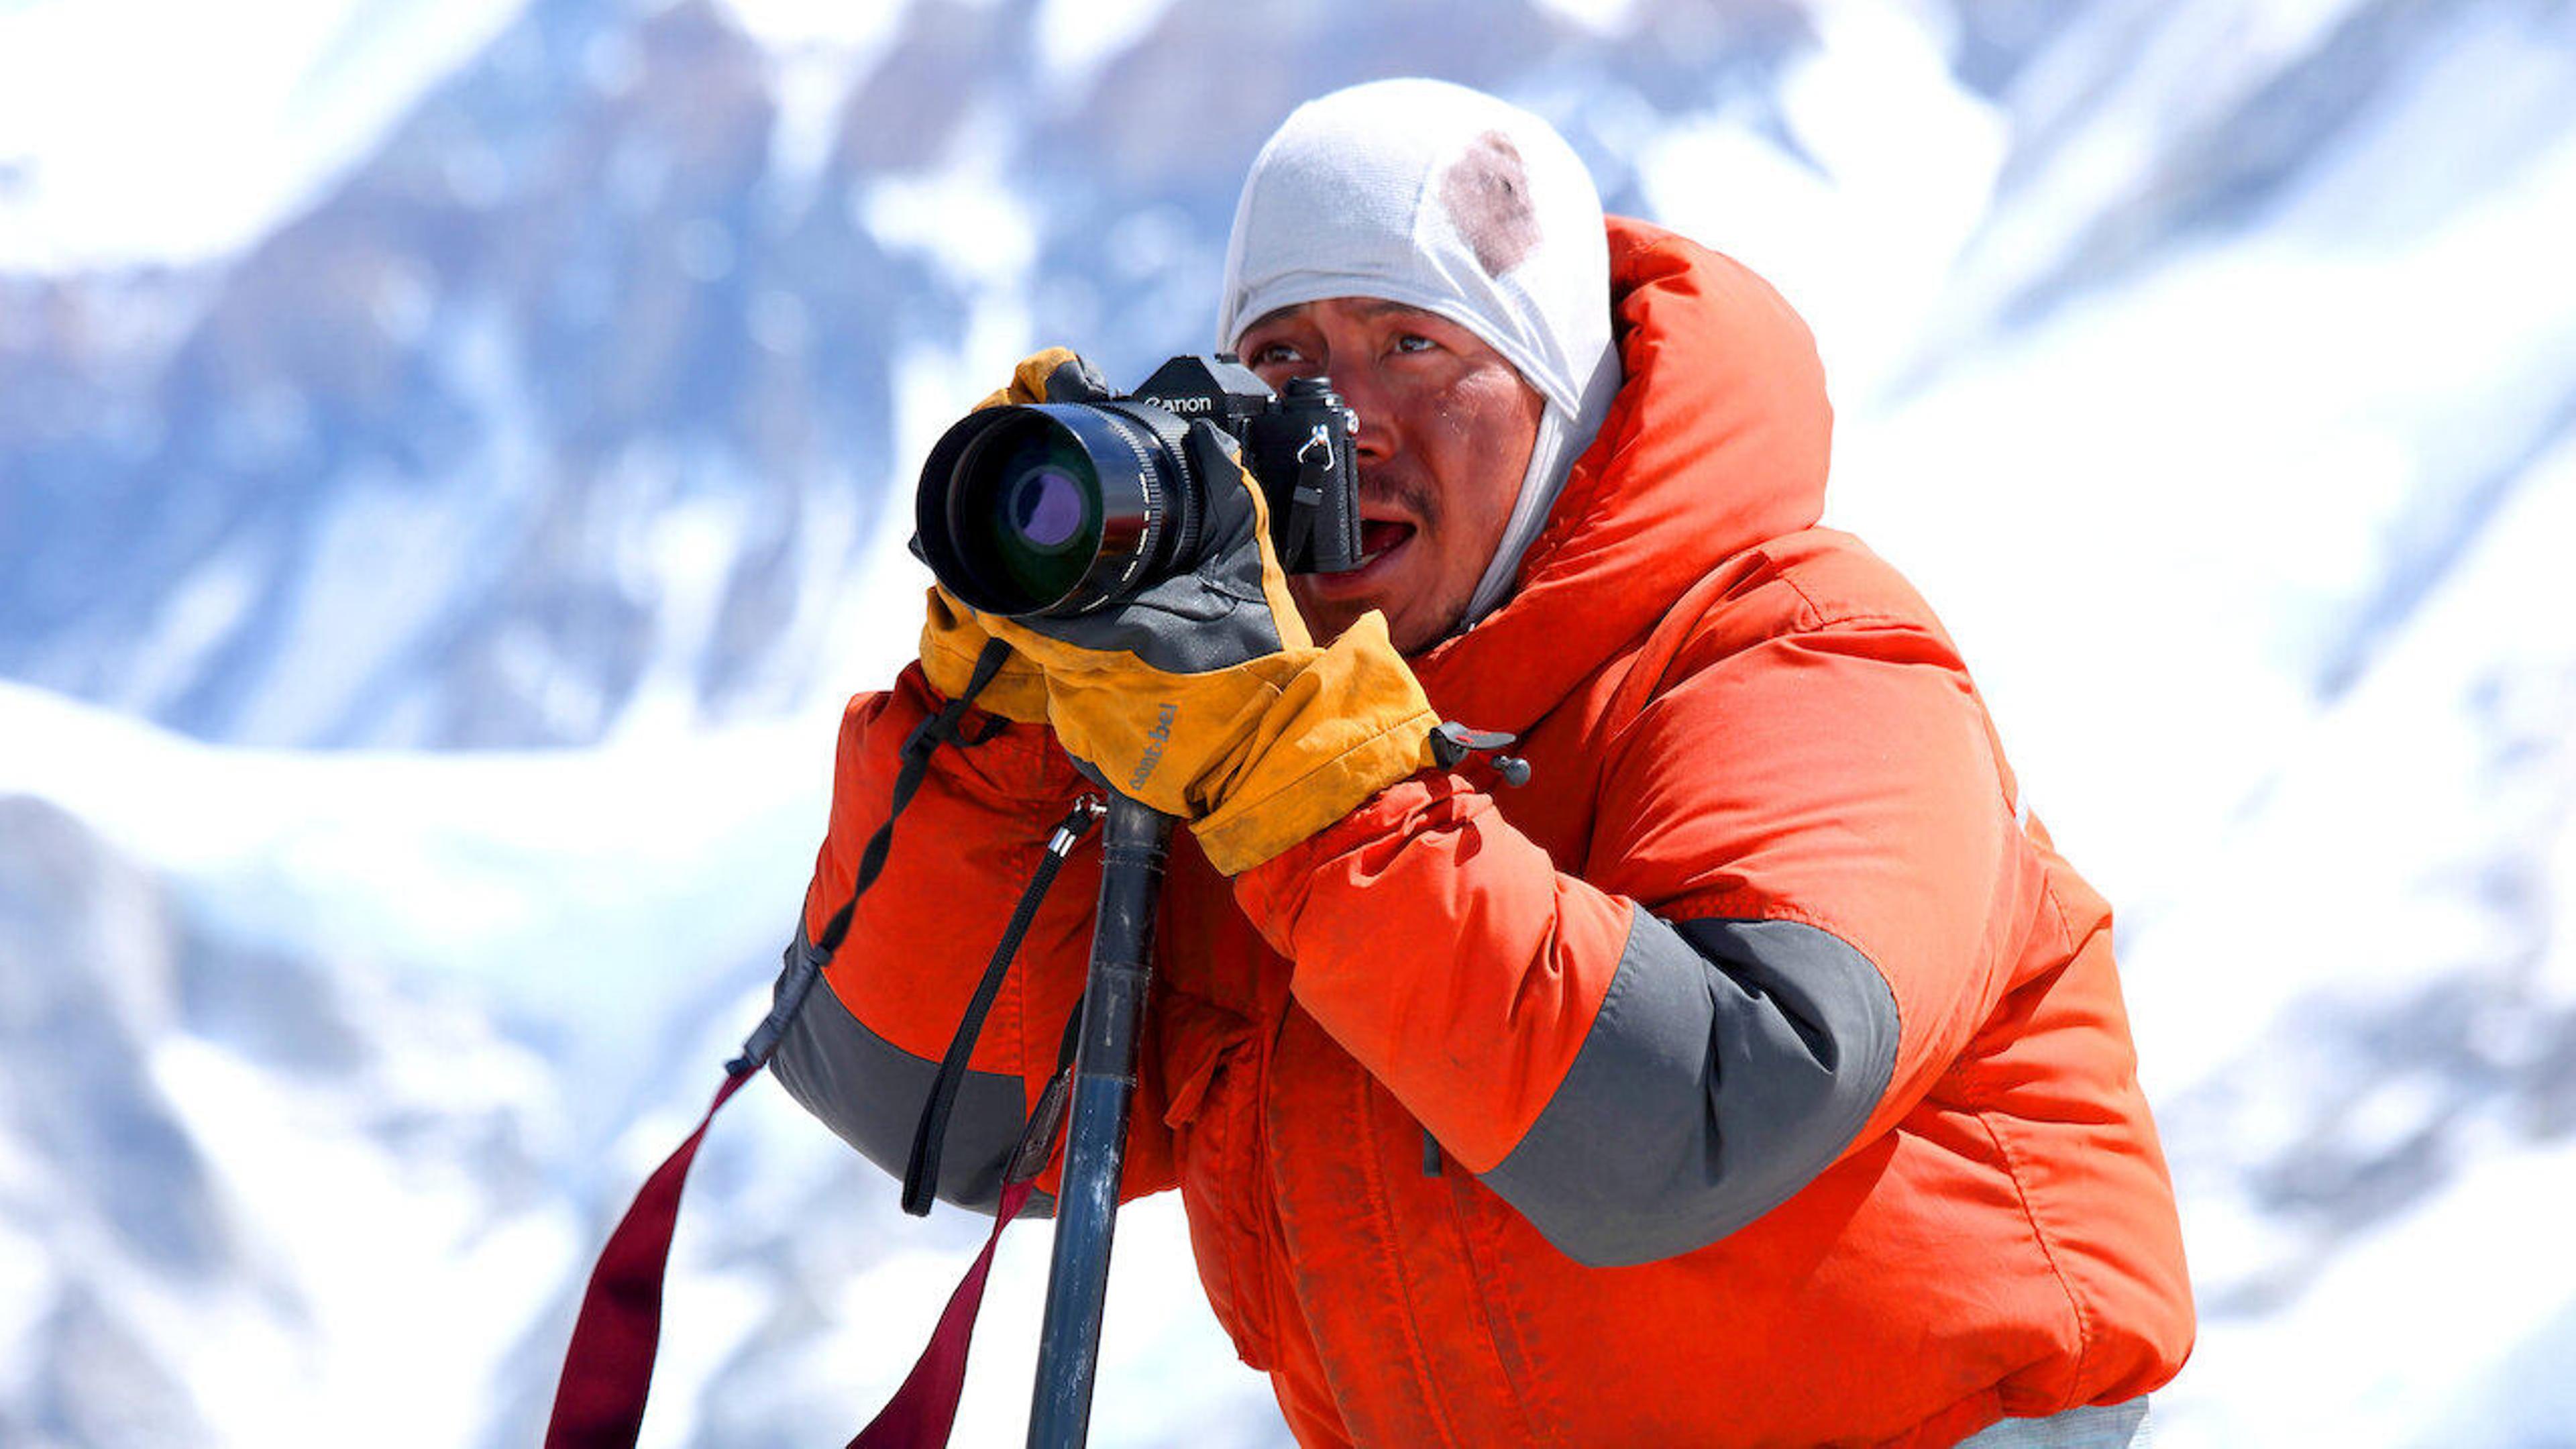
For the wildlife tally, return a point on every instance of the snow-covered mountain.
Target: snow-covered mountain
(444, 495)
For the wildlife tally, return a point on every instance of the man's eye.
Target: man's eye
(1414, 342)
(1274, 352)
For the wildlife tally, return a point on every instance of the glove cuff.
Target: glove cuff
(951, 641)
(1348, 724)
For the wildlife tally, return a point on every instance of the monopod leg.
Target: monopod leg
(1104, 1084)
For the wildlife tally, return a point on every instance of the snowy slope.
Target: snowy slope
(371, 1052)
(237, 1179)
(141, 133)
(2209, 363)
(2377, 1136)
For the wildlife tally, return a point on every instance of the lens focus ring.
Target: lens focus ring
(1056, 508)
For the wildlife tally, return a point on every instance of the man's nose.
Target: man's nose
(1364, 394)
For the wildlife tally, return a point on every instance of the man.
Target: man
(1752, 1075)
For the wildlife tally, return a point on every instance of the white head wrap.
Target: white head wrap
(1446, 199)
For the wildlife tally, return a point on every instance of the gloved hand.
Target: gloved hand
(951, 636)
(1204, 696)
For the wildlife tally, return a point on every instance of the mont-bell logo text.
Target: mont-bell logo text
(1155, 738)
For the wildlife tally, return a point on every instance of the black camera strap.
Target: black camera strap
(930, 1137)
(803, 971)
(1314, 474)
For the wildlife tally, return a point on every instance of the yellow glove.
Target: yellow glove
(951, 637)
(1203, 695)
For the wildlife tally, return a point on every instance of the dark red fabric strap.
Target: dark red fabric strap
(608, 1370)
(921, 1412)
(599, 1401)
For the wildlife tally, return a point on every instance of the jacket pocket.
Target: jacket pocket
(1215, 1119)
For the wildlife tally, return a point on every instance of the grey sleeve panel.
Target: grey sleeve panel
(1731, 1062)
(870, 1092)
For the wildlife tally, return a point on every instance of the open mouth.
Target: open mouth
(1381, 536)
(1383, 542)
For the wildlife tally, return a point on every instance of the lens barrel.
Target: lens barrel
(1056, 508)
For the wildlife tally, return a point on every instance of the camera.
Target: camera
(1062, 508)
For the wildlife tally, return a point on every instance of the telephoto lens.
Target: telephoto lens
(1057, 509)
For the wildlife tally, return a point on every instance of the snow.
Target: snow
(133, 132)
(2364, 877)
(852, 30)
(375, 1245)
(1076, 38)
(2230, 455)
(213, 601)
(524, 887)
(1164, 1377)
(1601, 17)
(2394, 1342)
(388, 553)
(682, 560)
(1894, 168)
(514, 876)
(817, 50)
(968, 220)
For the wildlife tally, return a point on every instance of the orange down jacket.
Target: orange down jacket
(1755, 1074)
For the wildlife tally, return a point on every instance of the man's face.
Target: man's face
(1446, 428)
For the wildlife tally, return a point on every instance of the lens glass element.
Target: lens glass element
(1045, 508)
(1042, 513)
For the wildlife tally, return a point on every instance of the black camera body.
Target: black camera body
(1297, 445)
(1066, 507)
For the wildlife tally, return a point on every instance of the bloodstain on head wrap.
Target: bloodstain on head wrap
(1487, 194)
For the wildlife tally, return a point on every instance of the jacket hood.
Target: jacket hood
(1717, 441)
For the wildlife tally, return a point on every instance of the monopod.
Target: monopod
(1134, 842)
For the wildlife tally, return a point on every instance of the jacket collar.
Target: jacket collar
(1717, 441)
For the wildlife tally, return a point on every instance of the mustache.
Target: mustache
(1399, 487)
